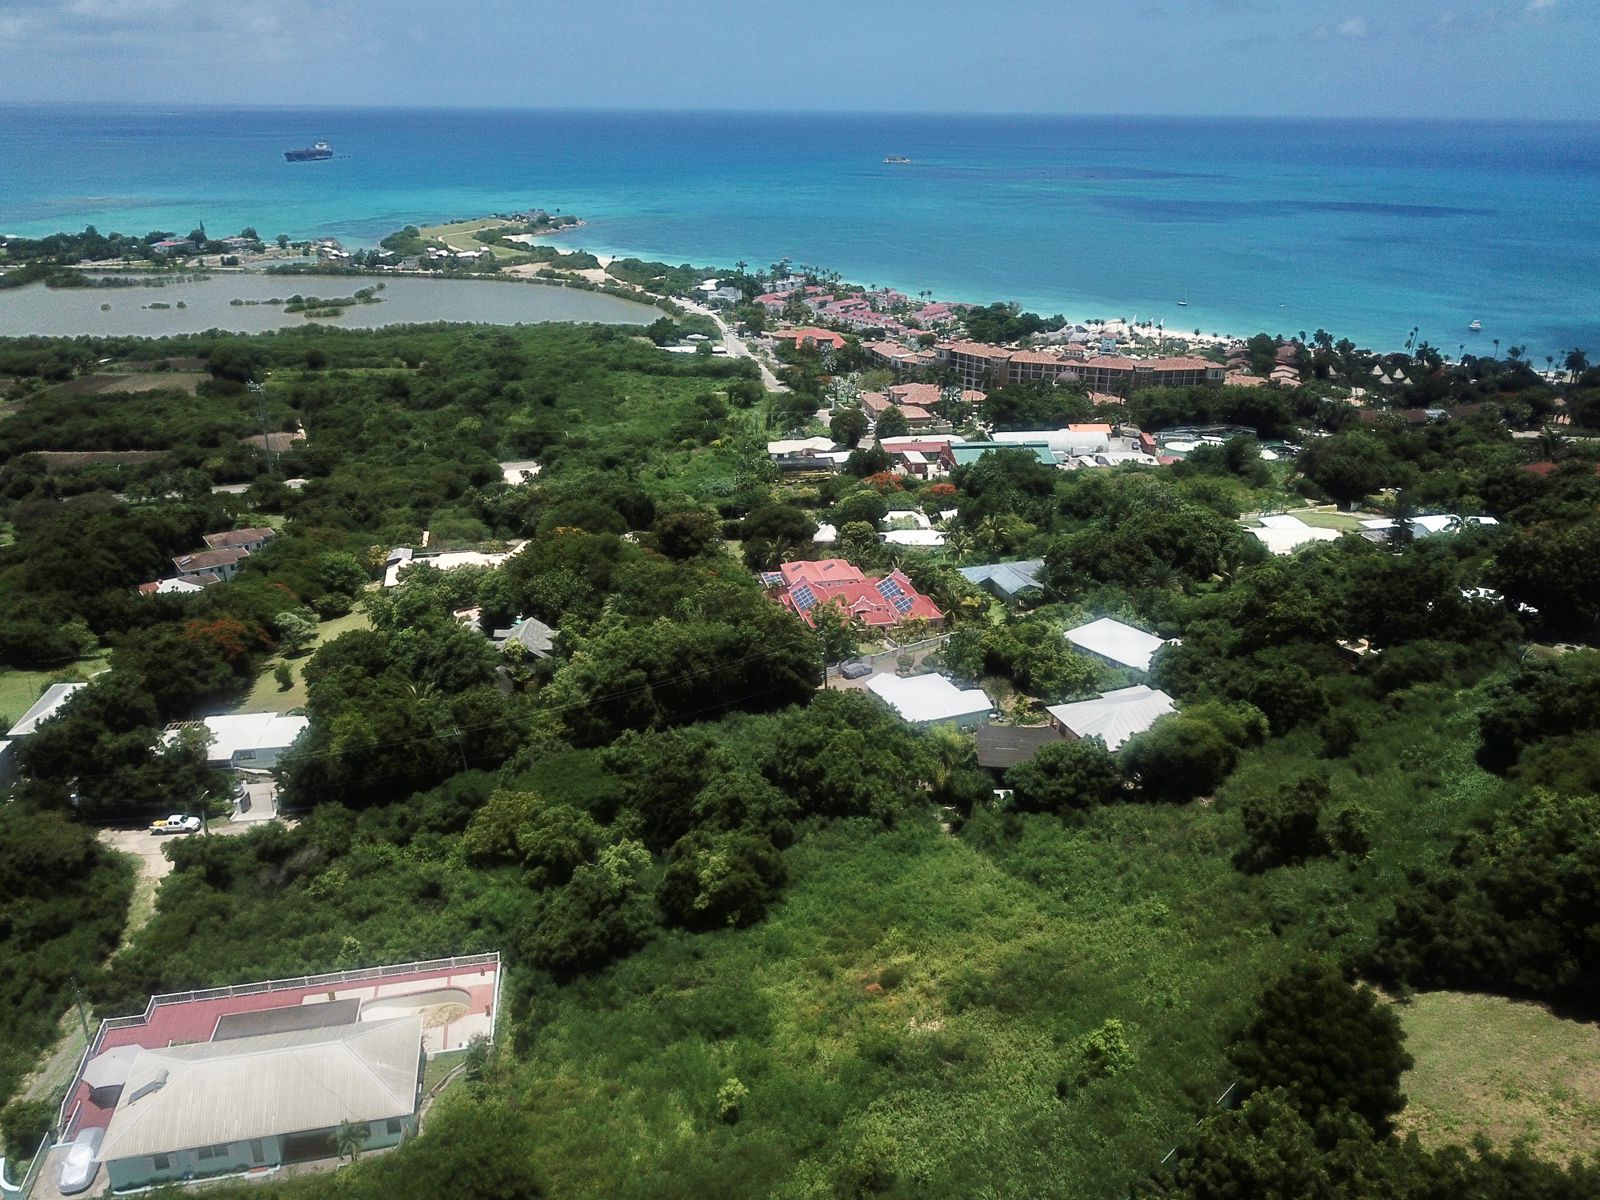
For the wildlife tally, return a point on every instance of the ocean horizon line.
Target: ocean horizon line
(1498, 121)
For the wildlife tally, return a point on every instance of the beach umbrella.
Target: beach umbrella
(110, 1069)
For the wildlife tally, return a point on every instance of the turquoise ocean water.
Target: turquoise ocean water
(1364, 228)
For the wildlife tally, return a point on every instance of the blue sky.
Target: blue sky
(1426, 58)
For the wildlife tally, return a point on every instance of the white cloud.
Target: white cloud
(1355, 27)
(1539, 6)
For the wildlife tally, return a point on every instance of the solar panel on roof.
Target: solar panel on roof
(803, 597)
(889, 589)
(771, 578)
(902, 605)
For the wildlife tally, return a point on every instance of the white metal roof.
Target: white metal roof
(1286, 540)
(234, 732)
(913, 537)
(1117, 642)
(1116, 716)
(1061, 441)
(923, 699)
(45, 706)
(307, 1079)
(800, 445)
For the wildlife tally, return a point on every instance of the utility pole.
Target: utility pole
(260, 391)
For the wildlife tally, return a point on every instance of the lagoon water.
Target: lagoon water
(1365, 228)
(208, 304)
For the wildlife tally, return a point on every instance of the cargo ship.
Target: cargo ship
(314, 153)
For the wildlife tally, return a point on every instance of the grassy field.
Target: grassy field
(267, 696)
(458, 236)
(1343, 522)
(1506, 1070)
(142, 381)
(908, 1010)
(19, 689)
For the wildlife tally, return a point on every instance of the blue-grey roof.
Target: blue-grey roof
(1007, 579)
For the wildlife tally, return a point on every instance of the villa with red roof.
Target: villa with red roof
(812, 337)
(878, 603)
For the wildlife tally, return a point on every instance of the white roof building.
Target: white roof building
(1426, 526)
(43, 708)
(1117, 643)
(793, 446)
(246, 739)
(447, 561)
(931, 700)
(1060, 441)
(1283, 533)
(1114, 717)
(927, 538)
(215, 1093)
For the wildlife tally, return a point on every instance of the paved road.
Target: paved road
(736, 346)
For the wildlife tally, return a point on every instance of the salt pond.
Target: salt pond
(208, 304)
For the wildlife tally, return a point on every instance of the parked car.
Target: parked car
(855, 670)
(79, 1167)
(176, 823)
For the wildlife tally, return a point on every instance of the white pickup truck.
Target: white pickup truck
(176, 823)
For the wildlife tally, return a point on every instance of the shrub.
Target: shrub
(730, 1097)
(1327, 1044)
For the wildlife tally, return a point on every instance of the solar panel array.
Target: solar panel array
(804, 598)
(772, 579)
(902, 605)
(890, 590)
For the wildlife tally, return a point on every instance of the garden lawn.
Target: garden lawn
(1503, 1069)
(19, 689)
(1343, 522)
(266, 696)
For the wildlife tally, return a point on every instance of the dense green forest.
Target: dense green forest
(766, 939)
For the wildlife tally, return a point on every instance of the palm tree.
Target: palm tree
(350, 1139)
(1552, 445)
(1577, 363)
(1404, 511)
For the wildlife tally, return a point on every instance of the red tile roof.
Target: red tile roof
(833, 580)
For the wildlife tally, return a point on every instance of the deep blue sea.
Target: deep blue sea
(1364, 228)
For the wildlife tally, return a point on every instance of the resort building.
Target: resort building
(818, 338)
(928, 700)
(898, 358)
(875, 404)
(878, 603)
(926, 395)
(980, 365)
(976, 365)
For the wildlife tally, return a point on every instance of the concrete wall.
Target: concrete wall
(188, 1164)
